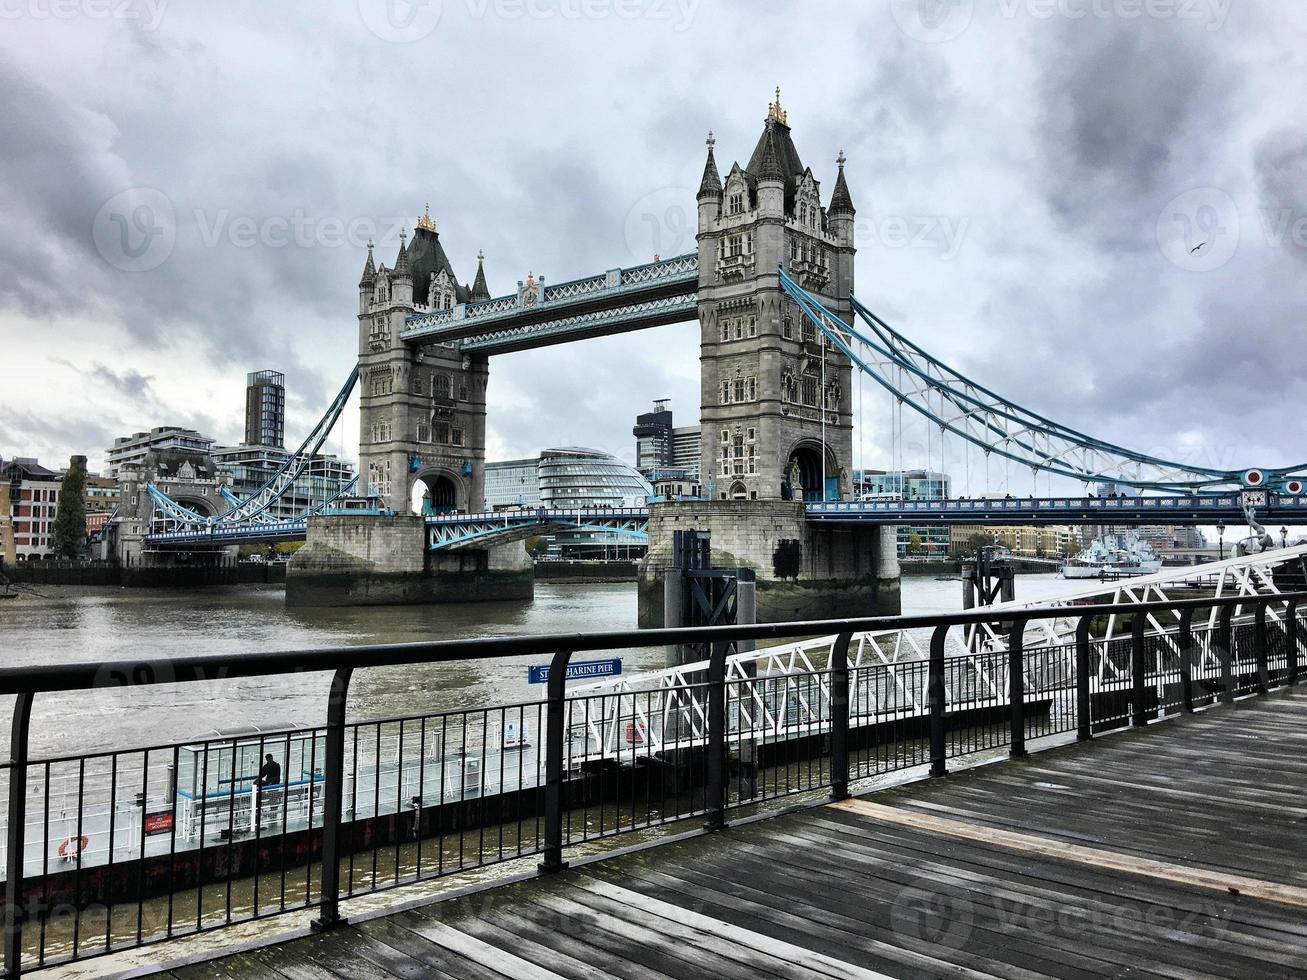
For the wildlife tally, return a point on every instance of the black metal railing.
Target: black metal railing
(123, 848)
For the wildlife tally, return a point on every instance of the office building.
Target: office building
(659, 445)
(925, 540)
(265, 409)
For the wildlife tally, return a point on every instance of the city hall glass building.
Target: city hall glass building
(571, 478)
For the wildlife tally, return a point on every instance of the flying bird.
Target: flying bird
(1196, 247)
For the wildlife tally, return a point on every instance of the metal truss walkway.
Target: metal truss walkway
(616, 301)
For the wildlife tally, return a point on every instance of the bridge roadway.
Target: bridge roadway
(1174, 850)
(470, 530)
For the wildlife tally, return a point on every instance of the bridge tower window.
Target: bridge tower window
(810, 392)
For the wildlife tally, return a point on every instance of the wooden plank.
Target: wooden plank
(437, 961)
(480, 951)
(817, 963)
(1181, 874)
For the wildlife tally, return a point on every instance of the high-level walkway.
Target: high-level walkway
(1175, 850)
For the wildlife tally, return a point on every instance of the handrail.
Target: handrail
(722, 720)
(80, 676)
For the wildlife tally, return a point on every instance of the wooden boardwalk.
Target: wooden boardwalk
(1176, 851)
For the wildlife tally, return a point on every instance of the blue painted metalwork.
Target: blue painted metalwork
(614, 301)
(997, 425)
(620, 319)
(253, 509)
(453, 531)
(261, 528)
(1189, 509)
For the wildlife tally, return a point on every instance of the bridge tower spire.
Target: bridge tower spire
(422, 407)
(776, 403)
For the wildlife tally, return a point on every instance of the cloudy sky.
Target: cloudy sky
(187, 189)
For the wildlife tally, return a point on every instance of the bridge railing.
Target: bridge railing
(121, 848)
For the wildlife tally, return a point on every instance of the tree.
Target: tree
(976, 542)
(914, 543)
(70, 519)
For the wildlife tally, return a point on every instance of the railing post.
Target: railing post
(15, 913)
(1016, 683)
(1187, 661)
(1259, 649)
(1084, 715)
(715, 792)
(839, 717)
(936, 698)
(1291, 642)
(333, 798)
(1225, 650)
(555, 737)
(1138, 669)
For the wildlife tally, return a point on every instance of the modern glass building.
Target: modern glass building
(512, 483)
(250, 467)
(572, 478)
(265, 409)
(909, 485)
(659, 445)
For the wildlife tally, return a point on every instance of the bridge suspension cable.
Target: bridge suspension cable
(253, 509)
(957, 404)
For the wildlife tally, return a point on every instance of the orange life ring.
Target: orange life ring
(74, 846)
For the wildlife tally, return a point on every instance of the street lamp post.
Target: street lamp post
(1220, 534)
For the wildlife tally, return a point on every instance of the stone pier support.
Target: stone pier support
(374, 561)
(804, 570)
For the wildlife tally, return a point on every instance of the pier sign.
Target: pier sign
(581, 671)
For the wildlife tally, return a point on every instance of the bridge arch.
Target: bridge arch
(803, 474)
(437, 490)
(205, 506)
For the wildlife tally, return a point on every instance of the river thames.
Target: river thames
(157, 626)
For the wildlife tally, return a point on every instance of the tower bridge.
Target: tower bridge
(782, 334)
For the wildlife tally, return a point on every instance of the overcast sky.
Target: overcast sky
(187, 188)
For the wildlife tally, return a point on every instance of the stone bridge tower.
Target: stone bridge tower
(422, 407)
(776, 401)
